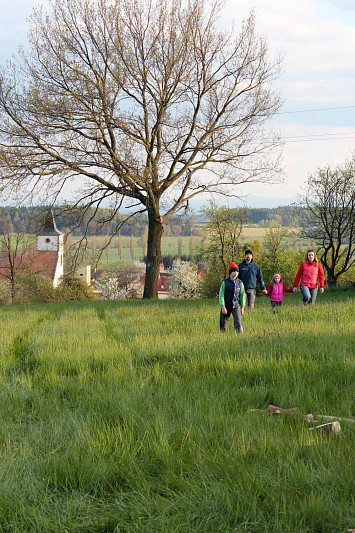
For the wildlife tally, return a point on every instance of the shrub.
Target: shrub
(212, 280)
(34, 288)
(184, 282)
(73, 288)
(30, 288)
(5, 292)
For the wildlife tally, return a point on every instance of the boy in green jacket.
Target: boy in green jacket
(232, 300)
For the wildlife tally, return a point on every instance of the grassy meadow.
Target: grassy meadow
(135, 416)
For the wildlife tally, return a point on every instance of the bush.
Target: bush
(285, 263)
(212, 280)
(184, 282)
(73, 288)
(30, 288)
(348, 278)
(5, 292)
(34, 289)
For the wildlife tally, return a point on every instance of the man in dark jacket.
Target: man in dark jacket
(250, 273)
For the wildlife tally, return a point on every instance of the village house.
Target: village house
(163, 282)
(129, 283)
(47, 259)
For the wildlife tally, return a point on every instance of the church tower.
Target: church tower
(51, 242)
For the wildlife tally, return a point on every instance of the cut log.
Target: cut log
(274, 410)
(332, 427)
(328, 417)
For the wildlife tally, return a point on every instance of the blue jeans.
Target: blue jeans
(309, 295)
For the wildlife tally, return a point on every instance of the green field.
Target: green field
(135, 416)
(112, 260)
(169, 246)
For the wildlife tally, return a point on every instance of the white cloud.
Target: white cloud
(318, 41)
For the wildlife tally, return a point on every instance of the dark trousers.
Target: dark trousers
(275, 305)
(251, 295)
(237, 316)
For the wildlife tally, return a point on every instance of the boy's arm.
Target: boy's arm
(242, 296)
(222, 291)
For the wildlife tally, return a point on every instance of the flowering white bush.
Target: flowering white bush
(122, 284)
(137, 266)
(184, 281)
(110, 288)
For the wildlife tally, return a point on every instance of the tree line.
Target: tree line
(28, 220)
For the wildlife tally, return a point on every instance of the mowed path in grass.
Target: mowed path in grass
(136, 416)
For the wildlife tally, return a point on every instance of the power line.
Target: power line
(314, 110)
(328, 139)
(319, 135)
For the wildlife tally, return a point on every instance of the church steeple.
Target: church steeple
(50, 238)
(49, 226)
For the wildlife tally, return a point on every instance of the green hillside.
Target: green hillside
(137, 417)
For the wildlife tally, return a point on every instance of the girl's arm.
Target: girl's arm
(269, 289)
(286, 289)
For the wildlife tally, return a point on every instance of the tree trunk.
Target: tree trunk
(331, 280)
(155, 232)
(13, 288)
(331, 277)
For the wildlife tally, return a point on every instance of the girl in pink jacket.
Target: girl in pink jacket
(310, 274)
(276, 291)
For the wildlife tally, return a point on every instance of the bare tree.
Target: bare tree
(120, 246)
(132, 247)
(179, 246)
(192, 245)
(330, 217)
(144, 242)
(276, 241)
(107, 246)
(12, 262)
(148, 101)
(223, 230)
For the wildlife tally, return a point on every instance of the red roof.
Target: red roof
(43, 263)
(163, 281)
(201, 272)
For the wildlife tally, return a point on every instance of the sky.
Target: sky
(317, 84)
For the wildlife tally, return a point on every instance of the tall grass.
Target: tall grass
(136, 417)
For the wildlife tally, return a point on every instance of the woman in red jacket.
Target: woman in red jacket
(311, 275)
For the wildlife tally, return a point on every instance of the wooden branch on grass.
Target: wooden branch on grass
(333, 426)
